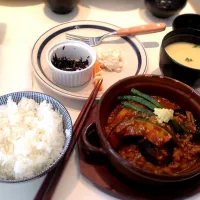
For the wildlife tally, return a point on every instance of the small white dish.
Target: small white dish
(73, 50)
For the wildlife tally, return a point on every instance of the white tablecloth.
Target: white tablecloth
(21, 23)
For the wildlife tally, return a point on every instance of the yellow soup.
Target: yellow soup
(185, 53)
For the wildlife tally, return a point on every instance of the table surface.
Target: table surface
(22, 22)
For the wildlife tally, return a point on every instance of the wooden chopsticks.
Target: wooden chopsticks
(48, 187)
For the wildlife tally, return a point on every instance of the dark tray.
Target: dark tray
(105, 177)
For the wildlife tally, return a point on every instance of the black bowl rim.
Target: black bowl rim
(171, 10)
(159, 178)
(184, 15)
(181, 31)
(56, 162)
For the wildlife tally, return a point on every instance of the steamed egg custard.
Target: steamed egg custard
(185, 53)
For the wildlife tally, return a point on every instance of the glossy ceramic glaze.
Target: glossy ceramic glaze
(187, 21)
(181, 94)
(62, 6)
(170, 67)
(163, 11)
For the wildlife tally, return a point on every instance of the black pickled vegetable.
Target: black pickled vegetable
(139, 100)
(67, 64)
(147, 97)
(134, 107)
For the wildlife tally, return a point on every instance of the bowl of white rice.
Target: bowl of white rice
(35, 132)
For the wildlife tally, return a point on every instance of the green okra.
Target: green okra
(138, 100)
(134, 107)
(147, 97)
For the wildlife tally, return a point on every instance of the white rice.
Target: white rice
(31, 138)
(111, 60)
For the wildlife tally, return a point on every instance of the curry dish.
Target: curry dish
(161, 146)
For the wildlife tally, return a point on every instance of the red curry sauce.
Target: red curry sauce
(184, 151)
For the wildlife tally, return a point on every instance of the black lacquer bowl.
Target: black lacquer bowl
(165, 8)
(173, 69)
(187, 21)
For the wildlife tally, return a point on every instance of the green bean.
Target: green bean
(134, 107)
(139, 100)
(147, 97)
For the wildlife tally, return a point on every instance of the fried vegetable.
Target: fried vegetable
(180, 111)
(134, 107)
(139, 127)
(158, 156)
(180, 129)
(190, 116)
(147, 97)
(197, 123)
(185, 129)
(196, 136)
(155, 133)
(138, 100)
(124, 112)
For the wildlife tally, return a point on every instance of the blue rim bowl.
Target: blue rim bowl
(67, 124)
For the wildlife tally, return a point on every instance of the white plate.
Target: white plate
(134, 56)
